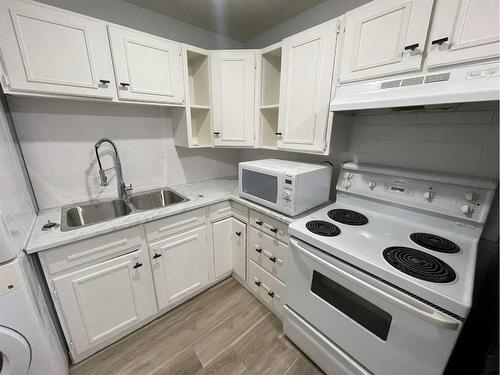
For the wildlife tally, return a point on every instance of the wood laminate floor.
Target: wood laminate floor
(224, 330)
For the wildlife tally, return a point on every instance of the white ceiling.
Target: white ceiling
(237, 19)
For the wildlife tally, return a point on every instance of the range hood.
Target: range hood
(471, 83)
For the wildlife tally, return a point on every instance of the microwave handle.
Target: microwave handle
(434, 317)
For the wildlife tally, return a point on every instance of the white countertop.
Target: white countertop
(200, 194)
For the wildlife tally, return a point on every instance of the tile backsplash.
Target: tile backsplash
(57, 139)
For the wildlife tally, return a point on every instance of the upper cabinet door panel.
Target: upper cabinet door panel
(463, 31)
(306, 82)
(148, 68)
(52, 51)
(233, 96)
(384, 37)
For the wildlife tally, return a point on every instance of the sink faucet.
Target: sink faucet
(122, 188)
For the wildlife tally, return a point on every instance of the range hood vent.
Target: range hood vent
(459, 85)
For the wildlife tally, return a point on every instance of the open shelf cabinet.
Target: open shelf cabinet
(270, 74)
(193, 124)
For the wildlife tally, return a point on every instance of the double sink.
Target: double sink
(84, 214)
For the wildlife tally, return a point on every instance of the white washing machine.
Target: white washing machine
(29, 344)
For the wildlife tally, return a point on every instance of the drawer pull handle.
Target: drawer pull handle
(216, 133)
(274, 230)
(238, 234)
(440, 41)
(258, 222)
(156, 256)
(278, 134)
(124, 84)
(411, 47)
(257, 283)
(137, 265)
(270, 294)
(272, 259)
(104, 81)
(259, 250)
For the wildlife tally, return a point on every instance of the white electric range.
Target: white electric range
(382, 281)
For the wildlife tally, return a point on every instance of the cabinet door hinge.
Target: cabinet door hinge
(71, 344)
(55, 294)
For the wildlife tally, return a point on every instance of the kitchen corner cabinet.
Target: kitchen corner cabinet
(233, 97)
(463, 31)
(229, 236)
(193, 124)
(180, 265)
(384, 37)
(147, 68)
(48, 51)
(305, 87)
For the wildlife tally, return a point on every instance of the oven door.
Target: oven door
(384, 329)
(263, 186)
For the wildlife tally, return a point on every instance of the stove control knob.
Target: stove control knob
(428, 196)
(348, 175)
(372, 185)
(286, 195)
(466, 209)
(470, 196)
(347, 185)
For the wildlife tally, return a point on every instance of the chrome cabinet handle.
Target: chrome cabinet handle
(424, 312)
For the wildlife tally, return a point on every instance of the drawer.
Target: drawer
(94, 249)
(175, 224)
(240, 211)
(220, 210)
(274, 228)
(268, 252)
(267, 288)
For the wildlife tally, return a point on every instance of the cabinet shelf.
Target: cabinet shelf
(200, 107)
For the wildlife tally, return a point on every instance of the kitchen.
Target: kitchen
(236, 187)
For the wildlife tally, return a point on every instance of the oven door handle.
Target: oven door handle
(432, 316)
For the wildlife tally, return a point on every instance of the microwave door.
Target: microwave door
(263, 187)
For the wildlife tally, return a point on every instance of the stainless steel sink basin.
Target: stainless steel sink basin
(80, 215)
(155, 199)
(84, 214)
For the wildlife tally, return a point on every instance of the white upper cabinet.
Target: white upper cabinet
(49, 51)
(306, 81)
(233, 97)
(147, 68)
(463, 31)
(384, 37)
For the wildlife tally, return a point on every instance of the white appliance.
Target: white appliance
(381, 281)
(469, 83)
(29, 344)
(286, 186)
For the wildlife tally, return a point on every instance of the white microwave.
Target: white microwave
(286, 186)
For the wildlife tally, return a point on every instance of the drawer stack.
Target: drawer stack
(267, 253)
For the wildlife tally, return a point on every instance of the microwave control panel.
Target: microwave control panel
(287, 196)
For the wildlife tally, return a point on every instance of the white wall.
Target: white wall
(314, 16)
(57, 139)
(130, 15)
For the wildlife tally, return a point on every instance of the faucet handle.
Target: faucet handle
(104, 178)
(129, 187)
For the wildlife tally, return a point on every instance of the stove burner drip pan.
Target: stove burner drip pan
(436, 243)
(348, 217)
(323, 228)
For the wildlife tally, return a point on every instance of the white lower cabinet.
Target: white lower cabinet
(229, 237)
(180, 265)
(102, 300)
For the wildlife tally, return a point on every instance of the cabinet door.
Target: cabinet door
(148, 68)
(463, 31)
(233, 97)
(180, 265)
(305, 88)
(384, 37)
(223, 246)
(103, 300)
(51, 51)
(239, 247)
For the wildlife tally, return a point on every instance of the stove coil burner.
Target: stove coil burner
(418, 264)
(323, 228)
(347, 217)
(433, 242)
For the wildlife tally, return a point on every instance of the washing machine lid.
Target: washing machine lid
(15, 352)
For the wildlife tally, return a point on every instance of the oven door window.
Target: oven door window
(360, 310)
(260, 185)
